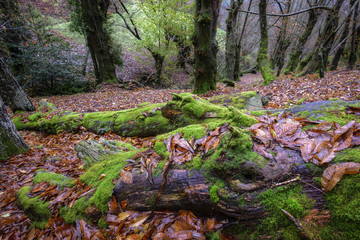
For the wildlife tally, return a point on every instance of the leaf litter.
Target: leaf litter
(318, 145)
(56, 152)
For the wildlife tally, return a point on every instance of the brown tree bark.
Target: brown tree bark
(283, 41)
(298, 51)
(355, 38)
(95, 16)
(11, 91)
(11, 142)
(205, 45)
(231, 53)
(342, 40)
(318, 61)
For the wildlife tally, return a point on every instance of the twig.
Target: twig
(297, 224)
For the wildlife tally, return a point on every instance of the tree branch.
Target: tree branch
(290, 14)
(133, 30)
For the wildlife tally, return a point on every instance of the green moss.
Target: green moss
(77, 211)
(34, 117)
(36, 210)
(276, 224)
(160, 148)
(214, 236)
(348, 155)
(213, 191)
(102, 223)
(196, 130)
(238, 100)
(8, 146)
(110, 166)
(336, 112)
(258, 113)
(344, 204)
(54, 179)
(301, 101)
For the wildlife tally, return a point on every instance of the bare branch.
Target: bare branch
(291, 14)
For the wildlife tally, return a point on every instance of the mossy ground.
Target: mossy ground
(38, 211)
(336, 112)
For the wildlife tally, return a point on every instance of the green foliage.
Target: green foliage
(48, 65)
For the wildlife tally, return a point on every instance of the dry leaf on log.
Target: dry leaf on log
(333, 174)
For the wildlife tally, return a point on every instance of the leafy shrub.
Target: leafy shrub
(50, 68)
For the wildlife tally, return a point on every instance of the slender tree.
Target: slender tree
(319, 57)
(262, 58)
(355, 38)
(232, 40)
(205, 45)
(313, 16)
(342, 40)
(283, 41)
(89, 17)
(11, 142)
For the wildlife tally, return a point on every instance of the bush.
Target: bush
(50, 68)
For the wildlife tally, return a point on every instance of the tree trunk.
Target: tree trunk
(205, 45)
(342, 40)
(282, 43)
(355, 38)
(159, 60)
(238, 46)
(232, 48)
(318, 61)
(11, 142)
(296, 54)
(149, 120)
(11, 91)
(262, 58)
(95, 16)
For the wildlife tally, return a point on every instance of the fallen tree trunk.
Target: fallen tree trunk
(211, 169)
(143, 121)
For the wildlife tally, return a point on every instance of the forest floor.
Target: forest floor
(56, 152)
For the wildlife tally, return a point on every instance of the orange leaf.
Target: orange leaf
(333, 174)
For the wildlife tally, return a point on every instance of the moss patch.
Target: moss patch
(36, 210)
(276, 224)
(53, 178)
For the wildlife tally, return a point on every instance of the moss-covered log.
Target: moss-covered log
(228, 179)
(145, 120)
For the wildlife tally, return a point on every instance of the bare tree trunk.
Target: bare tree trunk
(342, 40)
(232, 52)
(355, 38)
(11, 91)
(282, 43)
(11, 142)
(95, 14)
(238, 46)
(318, 61)
(205, 45)
(262, 58)
(295, 55)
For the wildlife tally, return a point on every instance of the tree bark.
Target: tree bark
(205, 45)
(95, 16)
(262, 58)
(11, 91)
(296, 54)
(231, 52)
(283, 42)
(342, 41)
(355, 38)
(11, 142)
(318, 61)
